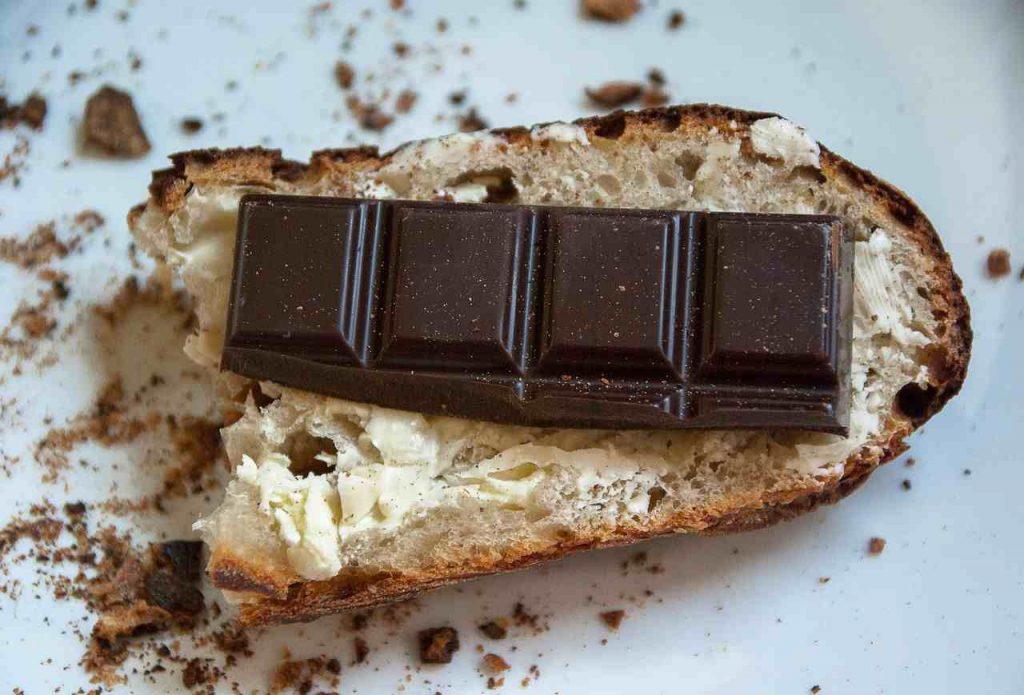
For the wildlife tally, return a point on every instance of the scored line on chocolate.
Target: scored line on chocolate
(544, 315)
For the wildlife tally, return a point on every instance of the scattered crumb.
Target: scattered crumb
(998, 263)
(824, 580)
(405, 101)
(493, 682)
(360, 649)
(471, 121)
(493, 662)
(31, 113)
(611, 10)
(614, 94)
(905, 484)
(344, 75)
(676, 19)
(613, 619)
(495, 629)
(816, 689)
(437, 645)
(876, 545)
(300, 675)
(191, 125)
(909, 463)
(368, 115)
(111, 124)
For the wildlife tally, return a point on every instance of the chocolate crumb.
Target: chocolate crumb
(471, 121)
(361, 649)
(998, 263)
(344, 75)
(400, 48)
(495, 629)
(816, 689)
(31, 113)
(457, 98)
(369, 116)
(613, 619)
(614, 94)
(676, 19)
(876, 545)
(112, 124)
(191, 125)
(437, 645)
(906, 485)
(195, 673)
(405, 101)
(611, 10)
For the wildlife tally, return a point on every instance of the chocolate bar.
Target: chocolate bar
(548, 316)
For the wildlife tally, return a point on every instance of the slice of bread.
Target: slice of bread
(337, 505)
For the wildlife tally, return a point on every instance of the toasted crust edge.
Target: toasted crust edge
(265, 599)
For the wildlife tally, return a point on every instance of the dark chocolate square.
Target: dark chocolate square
(611, 284)
(291, 273)
(771, 296)
(456, 289)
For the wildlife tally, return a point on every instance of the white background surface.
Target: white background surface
(927, 94)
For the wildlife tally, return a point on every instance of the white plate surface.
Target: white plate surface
(927, 94)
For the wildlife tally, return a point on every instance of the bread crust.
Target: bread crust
(265, 597)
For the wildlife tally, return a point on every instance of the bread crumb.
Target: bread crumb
(876, 545)
(676, 19)
(614, 94)
(438, 644)
(613, 619)
(998, 263)
(906, 484)
(31, 113)
(111, 124)
(405, 101)
(344, 75)
(815, 689)
(493, 662)
(471, 121)
(611, 10)
(495, 629)
(824, 580)
(191, 125)
(368, 115)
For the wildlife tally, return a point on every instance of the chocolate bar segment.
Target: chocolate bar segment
(547, 316)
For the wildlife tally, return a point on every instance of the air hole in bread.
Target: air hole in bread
(609, 184)
(500, 184)
(666, 179)
(399, 182)
(656, 494)
(915, 402)
(689, 163)
(807, 173)
(302, 450)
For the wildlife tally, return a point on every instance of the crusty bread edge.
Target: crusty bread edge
(265, 598)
